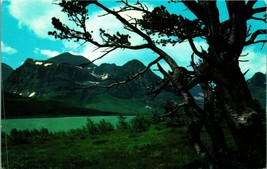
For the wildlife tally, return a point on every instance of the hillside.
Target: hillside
(257, 87)
(68, 58)
(6, 71)
(64, 83)
(59, 86)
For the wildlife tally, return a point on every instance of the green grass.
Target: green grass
(104, 102)
(99, 146)
(154, 148)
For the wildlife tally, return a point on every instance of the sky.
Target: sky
(25, 26)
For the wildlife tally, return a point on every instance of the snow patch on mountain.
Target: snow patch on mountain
(32, 94)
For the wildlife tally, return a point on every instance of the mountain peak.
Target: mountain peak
(134, 65)
(69, 58)
(259, 80)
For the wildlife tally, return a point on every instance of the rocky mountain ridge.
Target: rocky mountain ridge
(57, 78)
(6, 71)
(69, 80)
(73, 83)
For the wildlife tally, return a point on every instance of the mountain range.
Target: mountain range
(66, 85)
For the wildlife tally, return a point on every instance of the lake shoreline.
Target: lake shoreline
(64, 115)
(55, 124)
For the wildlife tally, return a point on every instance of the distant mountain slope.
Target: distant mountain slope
(56, 79)
(59, 83)
(43, 79)
(69, 59)
(6, 71)
(18, 106)
(257, 87)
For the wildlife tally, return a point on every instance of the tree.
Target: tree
(217, 71)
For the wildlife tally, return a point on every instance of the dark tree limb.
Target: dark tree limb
(106, 53)
(255, 35)
(258, 10)
(193, 47)
(124, 21)
(196, 8)
(124, 81)
(251, 3)
(238, 31)
(156, 91)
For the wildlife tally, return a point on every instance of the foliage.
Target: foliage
(146, 149)
(153, 148)
(26, 136)
(122, 124)
(91, 126)
(101, 127)
(104, 127)
(140, 123)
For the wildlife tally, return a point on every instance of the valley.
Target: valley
(54, 107)
(66, 85)
(70, 85)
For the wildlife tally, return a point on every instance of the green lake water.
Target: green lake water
(54, 124)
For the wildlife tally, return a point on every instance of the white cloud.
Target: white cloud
(7, 49)
(46, 52)
(36, 15)
(109, 23)
(49, 53)
(113, 25)
(256, 62)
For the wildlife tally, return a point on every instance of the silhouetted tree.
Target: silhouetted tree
(217, 71)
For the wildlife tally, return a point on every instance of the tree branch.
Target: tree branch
(107, 52)
(255, 35)
(200, 54)
(196, 8)
(157, 91)
(258, 10)
(124, 21)
(259, 19)
(177, 107)
(251, 3)
(124, 81)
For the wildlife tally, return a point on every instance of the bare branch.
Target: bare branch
(128, 7)
(196, 8)
(245, 72)
(243, 60)
(124, 21)
(258, 10)
(200, 54)
(258, 41)
(157, 91)
(255, 35)
(244, 55)
(107, 52)
(251, 3)
(163, 71)
(259, 19)
(124, 81)
(177, 107)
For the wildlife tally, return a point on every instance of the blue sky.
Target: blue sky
(25, 24)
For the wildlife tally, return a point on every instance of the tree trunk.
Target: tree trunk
(194, 129)
(243, 117)
(220, 148)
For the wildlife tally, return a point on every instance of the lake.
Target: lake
(54, 124)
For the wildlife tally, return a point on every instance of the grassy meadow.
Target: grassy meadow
(140, 143)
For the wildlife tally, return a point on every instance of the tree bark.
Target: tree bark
(220, 148)
(194, 129)
(243, 117)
